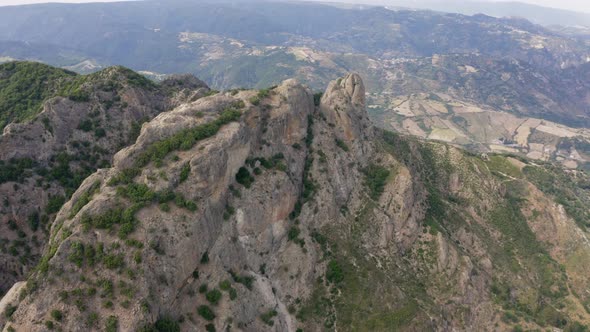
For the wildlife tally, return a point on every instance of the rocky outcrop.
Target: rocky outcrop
(258, 211)
(67, 141)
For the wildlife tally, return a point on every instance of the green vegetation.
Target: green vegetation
(213, 296)
(260, 96)
(244, 178)
(268, 316)
(185, 139)
(570, 190)
(340, 143)
(163, 324)
(125, 218)
(57, 315)
(500, 165)
(24, 86)
(137, 193)
(15, 170)
(206, 312)
(184, 172)
(166, 325)
(275, 162)
(84, 199)
(9, 311)
(112, 324)
(334, 272)
(205, 258)
(126, 176)
(317, 97)
(225, 285)
(203, 288)
(375, 179)
(54, 204)
(309, 186)
(114, 261)
(242, 279)
(293, 235)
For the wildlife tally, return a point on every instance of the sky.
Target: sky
(577, 5)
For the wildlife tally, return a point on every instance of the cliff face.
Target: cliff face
(45, 159)
(260, 211)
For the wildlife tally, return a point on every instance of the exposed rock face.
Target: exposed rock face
(66, 142)
(261, 212)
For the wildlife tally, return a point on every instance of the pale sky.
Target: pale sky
(577, 5)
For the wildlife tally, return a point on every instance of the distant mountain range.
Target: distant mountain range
(534, 13)
(506, 65)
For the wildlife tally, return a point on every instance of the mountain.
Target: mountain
(63, 127)
(153, 33)
(488, 105)
(258, 44)
(538, 14)
(280, 210)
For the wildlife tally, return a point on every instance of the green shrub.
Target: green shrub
(205, 258)
(206, 312)
(77, 253)
(233, 294)
(113, 261)
(165, 207)
(268, 316)
(49, 325)
(112, 324)
(244, 178)
(317, 97)
(117, 216)
(334, 272)
(84, 199)
(10, 309)
(203, 288)
(181, 202)
(184, 172)
(34, 221)
(375, 179)
(340, 143)
(126, 176)
(225, 285)
(54, 204)
(56, 315)
(85, 125)
(166, 324)
(92, 319)
(210, 328)
(185, 139)
(137, 193)
(213, 296)
(243, 279)
(15, 169)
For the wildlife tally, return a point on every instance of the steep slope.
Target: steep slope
(260, 211)
(64, 127)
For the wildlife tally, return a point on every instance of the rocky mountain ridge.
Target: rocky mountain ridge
(274, 210)
(75, 126)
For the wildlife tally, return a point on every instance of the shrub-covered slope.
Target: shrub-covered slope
(62, 127)
(267, 211)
